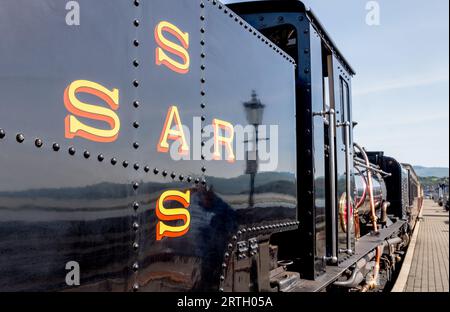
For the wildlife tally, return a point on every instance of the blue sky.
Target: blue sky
(400, 92)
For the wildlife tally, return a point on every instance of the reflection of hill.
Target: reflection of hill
(279, 187)
(241, 184)
(97, 191)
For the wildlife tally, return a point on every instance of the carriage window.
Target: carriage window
(285, 37)
(345, 101)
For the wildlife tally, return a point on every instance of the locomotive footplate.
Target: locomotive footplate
(363, 247)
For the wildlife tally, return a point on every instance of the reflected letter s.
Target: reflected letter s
(165, 45)
(173, 214)
(75, 128)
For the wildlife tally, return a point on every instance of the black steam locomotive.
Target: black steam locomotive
(185, 145)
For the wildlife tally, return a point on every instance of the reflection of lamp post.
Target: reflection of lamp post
(254, 110)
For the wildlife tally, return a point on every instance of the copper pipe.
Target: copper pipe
(373, 282)
(373, 214)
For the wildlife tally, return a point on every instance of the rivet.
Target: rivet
(181, 177)
(136, 83)
(203, 157)
(56, 147)
(202, 5)
(136, 43)
(136, 166)
(203, 105)
(38, 143)
(306, 31)
(136, 145)
(135, 287)
(227, 255)
(136, 63)
(234, 237)
(202, 18)
(197, 181)
(136, 124)
(306, 51)
(203, 80)
(203, 169)
(222, 278)
(135, 266)
(202, 93)
(135, 226)
(164, 173)
(155, 171)
(203, 55)
(230, 246)
(202, 30)
(221, 289)
(224, 265)
(203, 67)
(20, 138)
(189, 179)
(86, 154)
(135, 185)
(113, 161)
(136, 23)
(72, 150)
(125, 163)
(135, 205)
(203, 182)
(306, 70)
(146, 168)
(2, 133)
(203, 118)
(101, 157)
(203, 143)
(173, 175)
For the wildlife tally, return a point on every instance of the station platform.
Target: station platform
(426, 265)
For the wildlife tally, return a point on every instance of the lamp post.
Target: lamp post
(254, 110)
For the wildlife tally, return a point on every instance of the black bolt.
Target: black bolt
(71, 150)
(135, 226)
(20, 138)
(2, 133)
(203, 169)
(203, 118)
(203, 105)
(135, 246)
(173, 175)
(38, 143)
(202, 18)
(136, 43)
(135, 205)
(136, 145)
(135, 287)
(181, 177)
(203, 182)
(136, 104)
(135, 185)
(135, 63)
(136, 83)
(224, 265)
(189, 179)
(203, 67)
(146, 168)
(155, 171)
(136, 23)
(56, 147)
(125, 163)
(113, 161)
(202, 30)
(101, 157)
(222, 278)
(86, 154)
(202, 5)
(197, 181)
(164, 173)
(203, 80)
(136, 2)
(136, 166)
(135, 266)
(203, 55)
(202, 42)
(136, 124)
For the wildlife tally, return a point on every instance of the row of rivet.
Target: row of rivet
(39, 143)
(252, 30)
(258, 230)
(203, 75)
(135, 204)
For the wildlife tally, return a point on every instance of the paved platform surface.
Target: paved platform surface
(430, 263)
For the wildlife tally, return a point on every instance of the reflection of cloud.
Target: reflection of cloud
(403, 82)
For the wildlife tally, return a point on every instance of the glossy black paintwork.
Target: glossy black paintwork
(56, 208)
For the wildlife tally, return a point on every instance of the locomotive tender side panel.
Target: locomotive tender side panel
(85, 109)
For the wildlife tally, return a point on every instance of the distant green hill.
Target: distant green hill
(439, 172)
